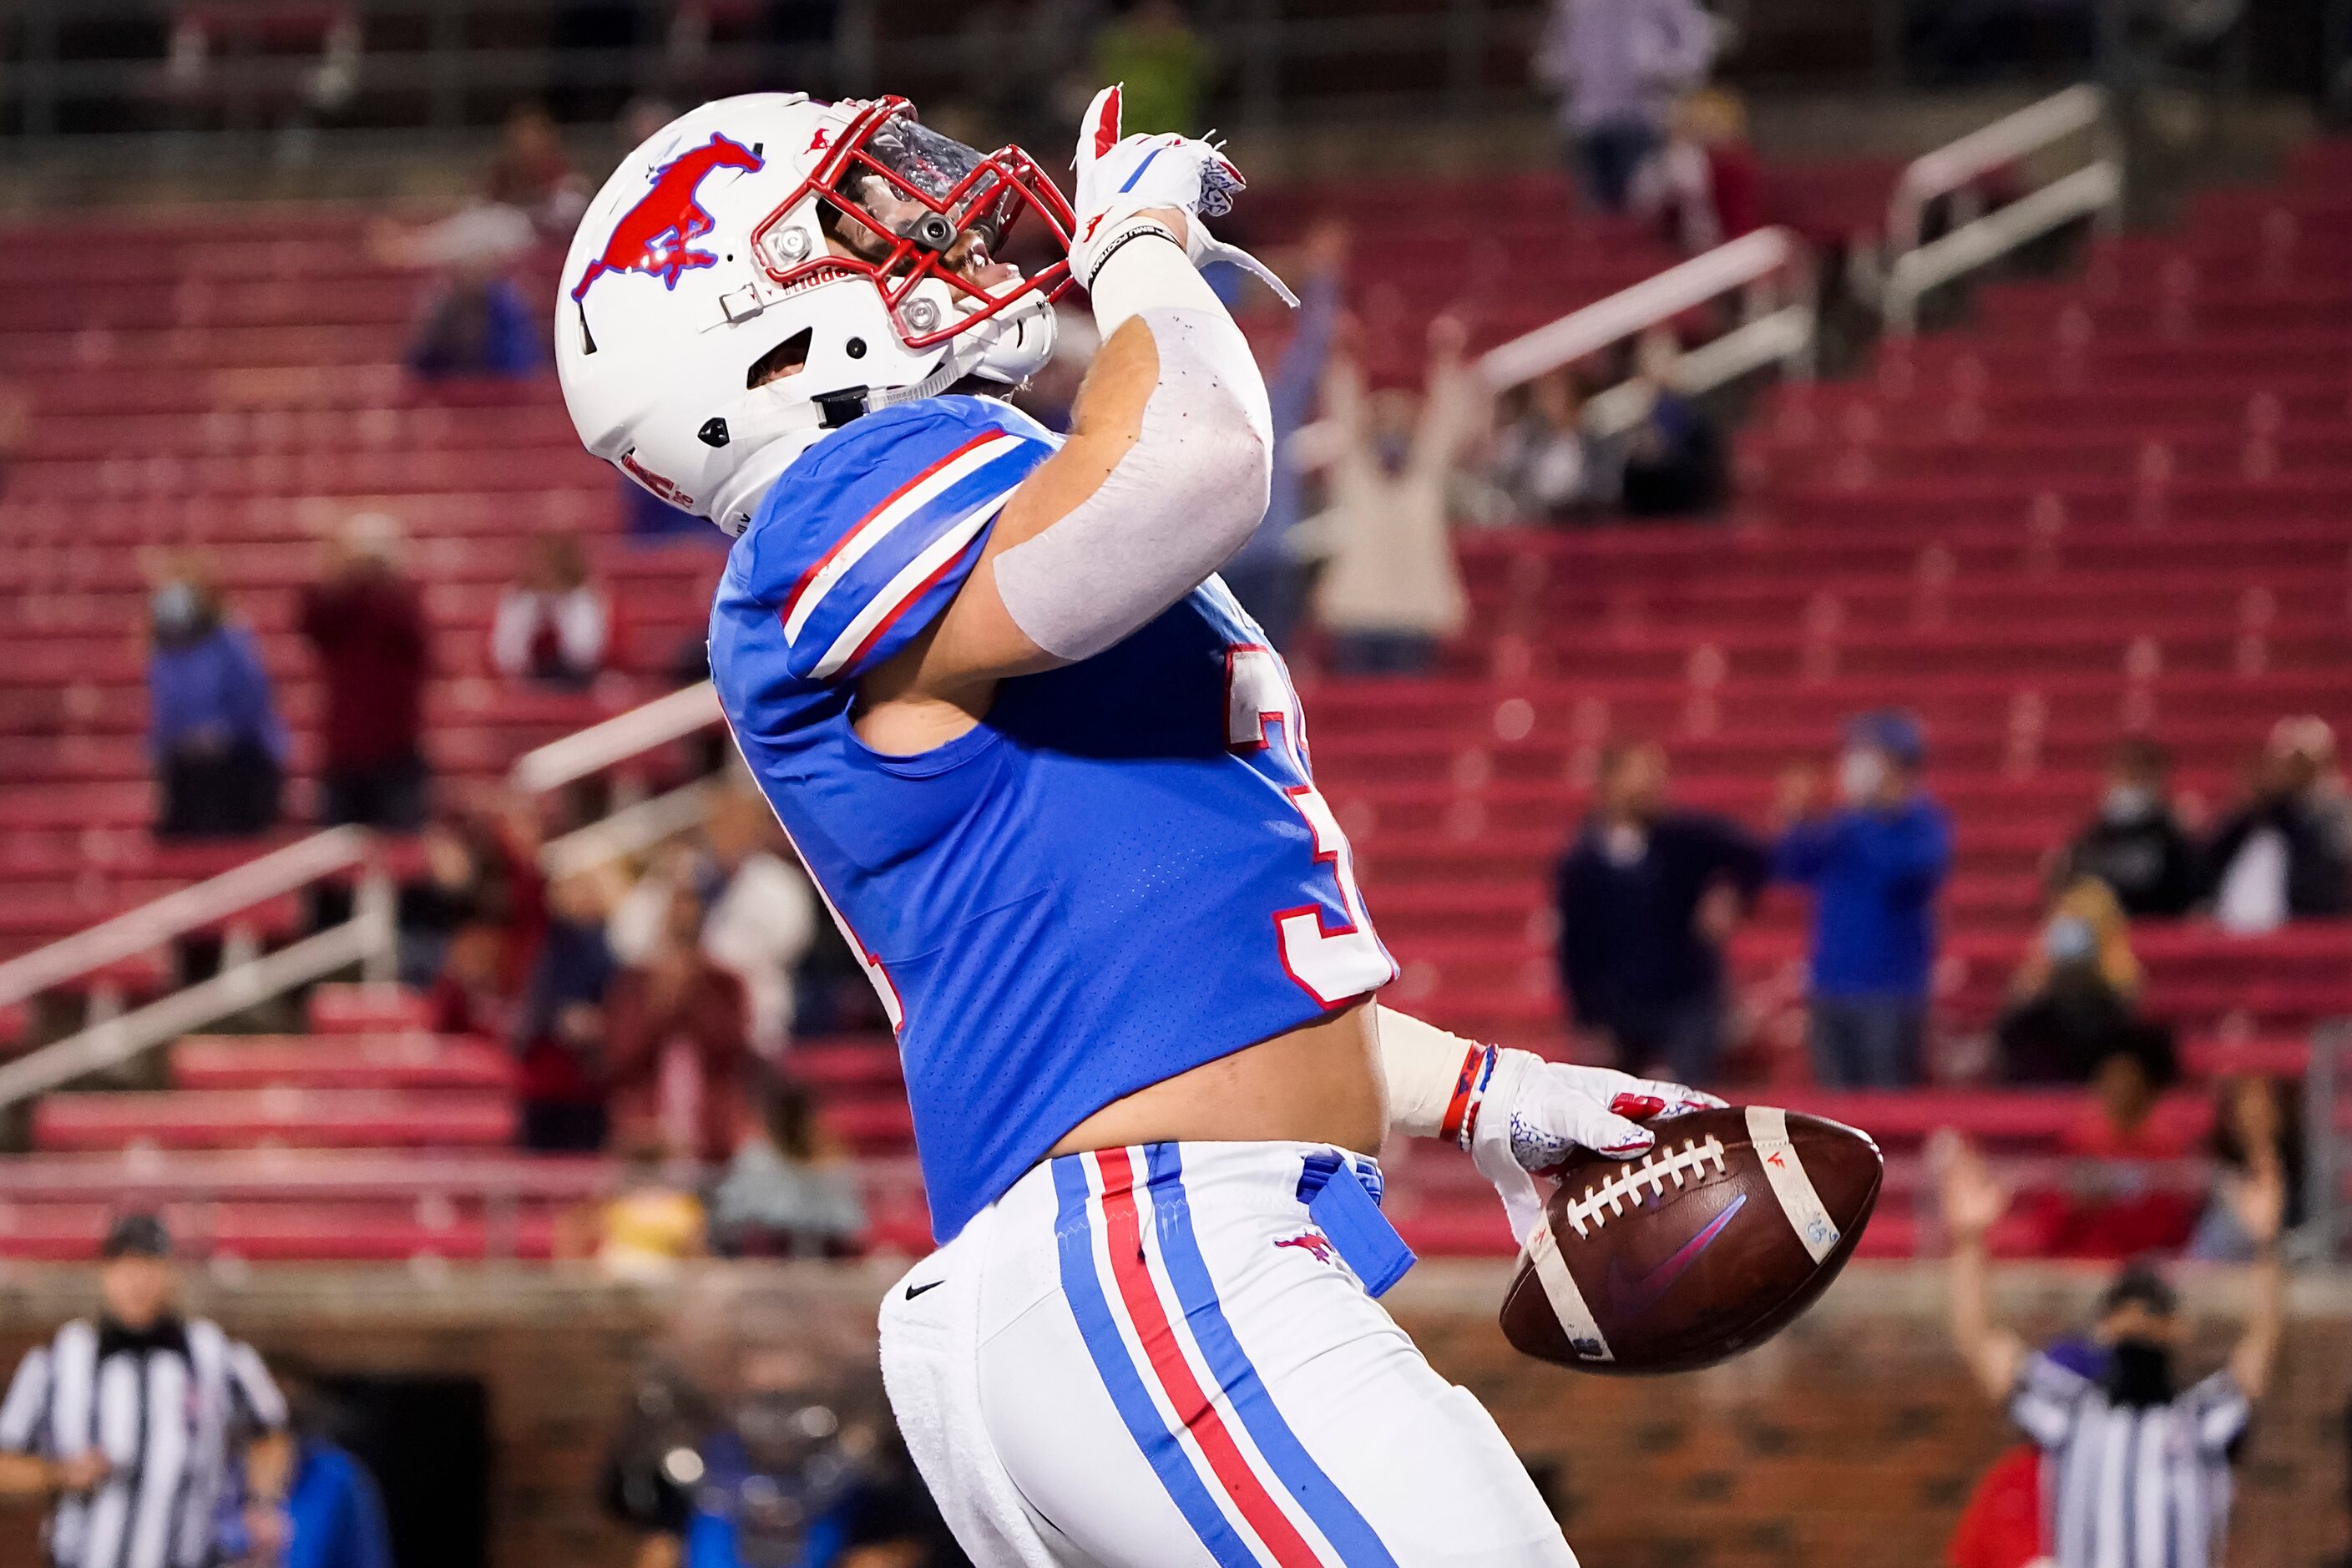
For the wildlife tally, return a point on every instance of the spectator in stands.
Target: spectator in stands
(2119, 1198)
(650, 1228)
(531, 173)
(1672, 459)
(1647, 897)
(2257, 1138)
(1874, 865)
(555, 626)
(469, 996)
(366, 624)
(564, 1028)
(1618, 67)
(1703, 184)
(677, 1007)
(1268, 574)
(2140, 1458)
(2076, 999)
(213, 730)
(2286, 853)
(1544, 460)
(1161, 64)
(1390, 588)
(2135, 845)
(446, 894)
(478, 320)
(786, 1192)
(761, 913)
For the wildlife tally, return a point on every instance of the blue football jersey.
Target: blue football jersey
(1124, 871)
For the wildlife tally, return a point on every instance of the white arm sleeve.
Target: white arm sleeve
(1185, 496)
(1428, 1070)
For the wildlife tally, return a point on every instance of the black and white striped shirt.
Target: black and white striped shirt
(2130, 1486)
(169, 1408)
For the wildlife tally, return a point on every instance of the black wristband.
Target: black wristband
(1140, 231)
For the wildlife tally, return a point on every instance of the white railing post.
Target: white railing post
(1916, 265)
(617, 739)
(1750, 266)
(375, 911)
(2323, 1143)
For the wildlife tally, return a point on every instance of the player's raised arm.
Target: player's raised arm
(2261, 1202)
(1972, 1201)
(1165, 473)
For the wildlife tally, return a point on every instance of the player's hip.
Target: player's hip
(1178, 1223)
(1163, 1356)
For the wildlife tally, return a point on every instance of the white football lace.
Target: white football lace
(1657, 1167)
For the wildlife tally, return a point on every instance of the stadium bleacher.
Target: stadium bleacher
(2159, 446)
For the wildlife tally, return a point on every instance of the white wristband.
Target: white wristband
(1436, 1082)
(1143, 263)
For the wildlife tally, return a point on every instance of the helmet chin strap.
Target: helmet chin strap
(778, 435)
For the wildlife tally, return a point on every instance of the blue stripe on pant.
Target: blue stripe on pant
(1196, 1292)
(1074, 1238)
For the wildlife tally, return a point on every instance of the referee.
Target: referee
(2135, 1467)
(127, 1426)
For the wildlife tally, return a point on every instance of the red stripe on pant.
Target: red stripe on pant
(1123, 1230)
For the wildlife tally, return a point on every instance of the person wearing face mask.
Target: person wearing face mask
(1390, 589)
(1874, 865)
(2075, 1000)
(218, 748)
(2286, 853)
(2135, 845)
(2138, 1459)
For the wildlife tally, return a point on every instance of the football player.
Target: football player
(1055, 787)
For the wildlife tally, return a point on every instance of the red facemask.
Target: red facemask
(906, 199)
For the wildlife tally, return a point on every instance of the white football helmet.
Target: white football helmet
(769, 230)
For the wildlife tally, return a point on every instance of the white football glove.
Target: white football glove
(1527, 1116)
(1121, 178)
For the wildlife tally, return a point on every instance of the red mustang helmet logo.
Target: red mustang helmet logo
(655, 237)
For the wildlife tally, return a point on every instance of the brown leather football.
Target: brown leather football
(1711, 1242)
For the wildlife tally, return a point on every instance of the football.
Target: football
(1712, 1242)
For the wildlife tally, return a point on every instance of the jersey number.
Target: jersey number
(1331, 963)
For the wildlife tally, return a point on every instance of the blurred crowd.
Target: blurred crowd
(1649, 895)
(652, 1006)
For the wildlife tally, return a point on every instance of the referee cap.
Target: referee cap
(136, 1235)
(2141, 1283)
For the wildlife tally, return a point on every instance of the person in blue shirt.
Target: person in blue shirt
(1874, 865)
(332, 1515)
(218, 747)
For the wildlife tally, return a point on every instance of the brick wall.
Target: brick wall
(1851, 1441)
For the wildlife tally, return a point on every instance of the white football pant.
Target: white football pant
(1153, 1357)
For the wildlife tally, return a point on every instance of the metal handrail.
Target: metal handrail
(630, 830)
(2331, 1046)
(617, 739)
(367, 939)
(1457, 39)
(2096, 189)
(1779, 330)
(178, 913)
